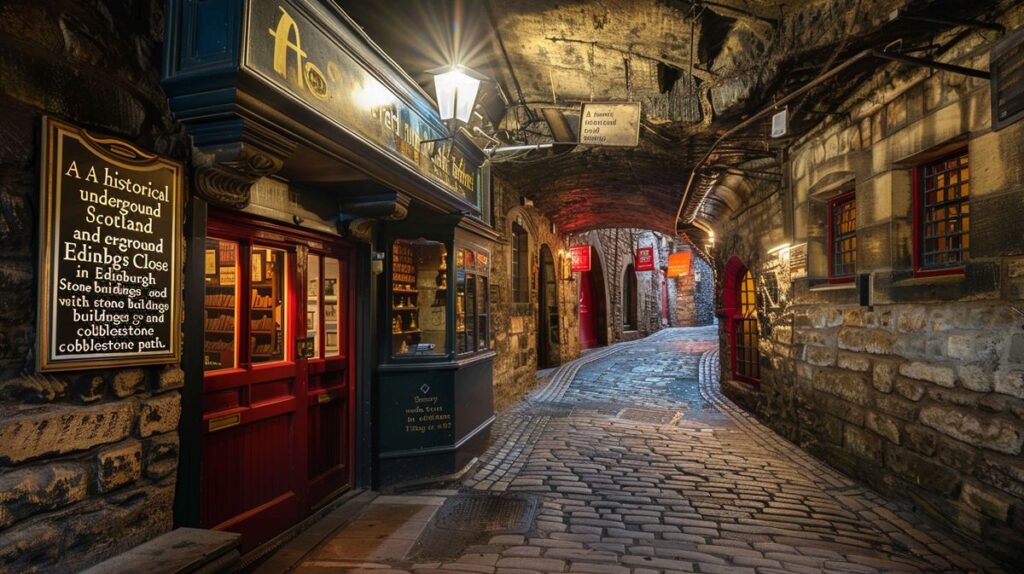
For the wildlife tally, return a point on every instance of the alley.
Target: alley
(637, 464)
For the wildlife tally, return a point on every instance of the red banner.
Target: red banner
(644, 260)
(580, 257)
(679, 264)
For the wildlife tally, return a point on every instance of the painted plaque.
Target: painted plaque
(644, 259)
(109, 258)
(605, 124)
(679, 264)
(580, 258)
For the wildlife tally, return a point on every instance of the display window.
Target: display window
(419, 298)
(472, 305)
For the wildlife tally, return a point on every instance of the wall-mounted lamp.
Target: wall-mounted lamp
(456, 88)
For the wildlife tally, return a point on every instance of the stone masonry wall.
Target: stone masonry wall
(87, 459)
(514, 324)
(922, 393)
(694, 295)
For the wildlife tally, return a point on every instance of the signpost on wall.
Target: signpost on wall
(109, 258)
(580, 258)
(644, 260)
(679, 264)
(607, 124)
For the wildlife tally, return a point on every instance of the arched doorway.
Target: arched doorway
(593, 311)
(739, 302)
(547, 312)
(629, 299)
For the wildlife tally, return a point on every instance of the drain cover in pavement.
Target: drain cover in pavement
(487, 513)
(654, 416)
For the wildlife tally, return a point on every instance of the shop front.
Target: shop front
(339, 253)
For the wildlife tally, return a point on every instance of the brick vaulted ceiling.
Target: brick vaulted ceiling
(697, 67)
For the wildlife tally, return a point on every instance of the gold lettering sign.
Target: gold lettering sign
(221, 423)
(110, 253)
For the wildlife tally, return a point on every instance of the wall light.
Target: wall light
(456, 88)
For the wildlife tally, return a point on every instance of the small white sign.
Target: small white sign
(779, 123)
(605, 124)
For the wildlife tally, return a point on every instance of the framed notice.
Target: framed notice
(109, 257)
(210, 264)
(644, 259)
(579, 256)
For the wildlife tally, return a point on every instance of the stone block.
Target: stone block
(979, 429)
(33, 389)
(127, 382)
(862, 443)
(28, 491)
(853, 362)
(819, 356)
(839, 408)
(919, 439)
(897, 407)
(159, 414)
(883, 425)
(911, 319)
(986, 500)
(89, 388)
(161, 455)
(852, 387)
(118, 465)
(884, 375)
(61, 430)
(171, 377)
(1010, 383)
(30, 549)
(852, 338)
(923, 472)
(975, 377)
(908, 388)
(940, 375)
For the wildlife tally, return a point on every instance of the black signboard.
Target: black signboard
(1008, 81)
(109, 255)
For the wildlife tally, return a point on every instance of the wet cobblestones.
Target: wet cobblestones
(704, 489)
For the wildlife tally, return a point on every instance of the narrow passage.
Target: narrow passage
(635, 464)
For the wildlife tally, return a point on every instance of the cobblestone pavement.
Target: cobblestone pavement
(640, 466)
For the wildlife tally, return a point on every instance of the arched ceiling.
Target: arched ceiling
(697, 67)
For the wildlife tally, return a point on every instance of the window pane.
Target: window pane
(220, 302)
(482, 314)
(461, 345)
(419, 298)
(267, 304)
(313, 302)
(332, 307)
(945, 192)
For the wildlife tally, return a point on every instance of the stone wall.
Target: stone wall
(922, 392)
(87, 459)
(694, 295)
(514, 325)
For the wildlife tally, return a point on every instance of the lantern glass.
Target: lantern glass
(456, 92)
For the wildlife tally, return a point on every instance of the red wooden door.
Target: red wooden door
(277, 426)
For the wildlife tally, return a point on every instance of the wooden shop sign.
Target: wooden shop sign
(109, 258)
(580, 258)
(644, 260)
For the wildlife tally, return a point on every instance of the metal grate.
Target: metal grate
(946, 220)
(843, 233)
(510, 514)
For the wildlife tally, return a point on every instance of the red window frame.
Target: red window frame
(744, 331)
(846, 199)
(920, 189)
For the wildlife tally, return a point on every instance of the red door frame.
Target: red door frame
(251, 390)
(732, 311)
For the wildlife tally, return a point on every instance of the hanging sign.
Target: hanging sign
(580, 257)
(605, 124)
(679, 264)
(109, 258)
(644, 260)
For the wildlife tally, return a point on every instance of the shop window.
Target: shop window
(842, 234)
(520, 264)
(221, 321)
(629, 299)
(942, 214)
(472, 305)
(419, 296)
(324, 305)
(267, 305)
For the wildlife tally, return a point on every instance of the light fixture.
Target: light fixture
(456, 88)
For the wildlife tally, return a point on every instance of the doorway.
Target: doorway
(278, 386)
(593, 310)
(629, 298)
(548, 337)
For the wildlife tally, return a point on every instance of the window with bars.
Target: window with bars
(842, 230)
(944, 212)
(520, 265)
(747, 358)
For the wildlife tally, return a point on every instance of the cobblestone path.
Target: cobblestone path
(640, 466)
